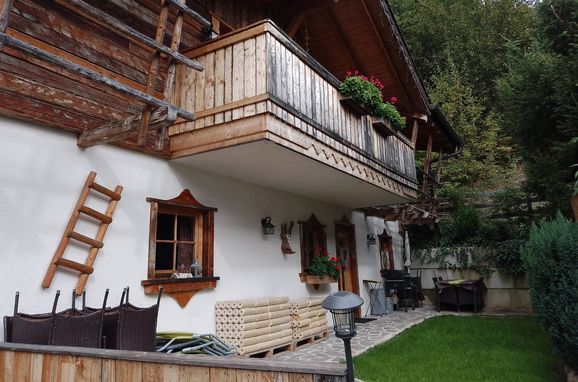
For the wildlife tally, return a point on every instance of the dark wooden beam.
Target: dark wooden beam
(103, 18)
(305, 6)
(414, 131)
(96, 77)
(5, 6)
(340, 36)
(117, 130)
(295, 24)
(182, 7)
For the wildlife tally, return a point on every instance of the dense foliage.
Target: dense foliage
(540, 104)
(498, 240)
(459, 49)
(551, 258)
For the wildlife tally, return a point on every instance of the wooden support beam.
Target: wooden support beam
(414, 131)
(340, 36)
(152, 73)
(5, 6)
(103, 18)
(143, 97)
(427, 165)
(181, 6)
(117, 130)
(163, 134)
(295, 24)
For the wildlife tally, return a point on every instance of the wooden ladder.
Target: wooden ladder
(95, 244)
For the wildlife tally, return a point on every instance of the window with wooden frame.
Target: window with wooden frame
(181, 233)
(313, 243)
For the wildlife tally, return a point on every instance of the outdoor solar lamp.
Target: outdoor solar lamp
(268, 227)
(342, 306)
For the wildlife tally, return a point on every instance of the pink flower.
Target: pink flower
(393, 99)
(333, 258)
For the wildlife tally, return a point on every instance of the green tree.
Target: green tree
(539, 94)
(458, 48)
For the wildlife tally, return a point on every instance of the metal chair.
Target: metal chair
(375, 292)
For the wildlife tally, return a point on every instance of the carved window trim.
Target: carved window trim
(313, 240)
(182, 289)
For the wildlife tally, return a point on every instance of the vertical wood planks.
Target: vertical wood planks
(250, 72)
(219, 83)
(228, 81)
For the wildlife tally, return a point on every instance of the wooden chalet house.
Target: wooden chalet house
(210, 116)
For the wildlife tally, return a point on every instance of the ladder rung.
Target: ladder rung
(103, 190)
(95, 214)
(85, 239)
(74, 265)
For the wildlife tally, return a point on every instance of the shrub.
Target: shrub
(507, 258)
(388, 111)
(551, 260)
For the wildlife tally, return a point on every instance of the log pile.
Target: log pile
(254, 326)
(308, 319)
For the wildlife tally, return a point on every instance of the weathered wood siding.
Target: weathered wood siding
(64, 364)
(260, 70)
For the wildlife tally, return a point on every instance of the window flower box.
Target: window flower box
(353, 105)
(317, 280)
(383, 126)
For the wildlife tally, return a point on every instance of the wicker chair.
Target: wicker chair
(75, 327)
(137, 326)
(28, 328)
(110, 322)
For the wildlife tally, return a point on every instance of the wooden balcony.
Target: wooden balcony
(268, 113)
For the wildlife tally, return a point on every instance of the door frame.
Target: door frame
(344, 225)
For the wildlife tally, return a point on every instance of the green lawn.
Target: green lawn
(451, 348)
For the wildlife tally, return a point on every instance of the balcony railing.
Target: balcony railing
(260, 70)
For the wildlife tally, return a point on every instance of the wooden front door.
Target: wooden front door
(345, 246)
(386, 251)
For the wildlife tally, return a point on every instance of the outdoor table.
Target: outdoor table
(461, 292)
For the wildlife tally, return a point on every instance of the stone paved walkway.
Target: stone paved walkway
(368, 335)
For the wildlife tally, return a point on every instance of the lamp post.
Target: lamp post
(342, 306)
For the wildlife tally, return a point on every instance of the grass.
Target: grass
(469, 349)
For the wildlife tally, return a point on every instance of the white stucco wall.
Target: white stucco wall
(42, 173)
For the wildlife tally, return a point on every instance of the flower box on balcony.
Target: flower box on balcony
(383, 126)
(316, 280)
(351, 104)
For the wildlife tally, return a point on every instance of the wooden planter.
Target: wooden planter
(574, 202)
(383, 126)
(316, 280)
(354, 106)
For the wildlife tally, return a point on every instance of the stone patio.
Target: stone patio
(368, 335)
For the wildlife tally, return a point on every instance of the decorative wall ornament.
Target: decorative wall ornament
(285, 236)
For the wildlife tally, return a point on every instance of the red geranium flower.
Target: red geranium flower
(393, 99)
(334, 258)
(338, 267)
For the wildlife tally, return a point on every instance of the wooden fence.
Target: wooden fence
(20, 362)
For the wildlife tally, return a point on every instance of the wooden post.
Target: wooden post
(427, 165)
(574, 202)
(438, 177)
(5, 6)
(414, 132)
(162, 134)
(152, 74)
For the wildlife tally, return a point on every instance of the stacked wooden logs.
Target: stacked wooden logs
(254, 326)
(308, 319)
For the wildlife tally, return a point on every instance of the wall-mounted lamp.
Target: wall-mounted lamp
(268, 227)
(371, 240)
